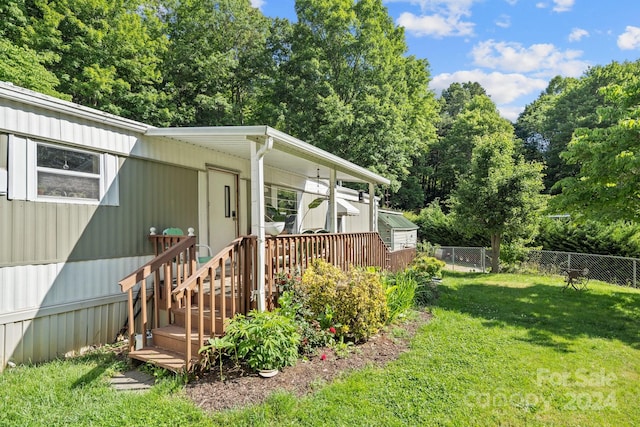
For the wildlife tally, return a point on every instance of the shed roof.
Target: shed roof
(396, 220)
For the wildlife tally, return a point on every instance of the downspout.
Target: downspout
(257, 213)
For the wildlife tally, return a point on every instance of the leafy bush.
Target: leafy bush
(353, 303)
(361, 306)
(400, 290)
(424, 269)
(264, 339)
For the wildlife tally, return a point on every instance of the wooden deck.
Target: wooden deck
(172, 312)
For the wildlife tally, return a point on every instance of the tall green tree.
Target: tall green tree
(24, 67)
(566, 105)
(104, 53)
(607, 186)
(478, 118)
(218, 60)
(499, 196)
(351, 89)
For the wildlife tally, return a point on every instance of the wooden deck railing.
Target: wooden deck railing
(223, 286)
(400, 259)
(176, 260)
(295, 252)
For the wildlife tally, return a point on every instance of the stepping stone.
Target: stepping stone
(132, 381)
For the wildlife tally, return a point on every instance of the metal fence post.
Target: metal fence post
(569, 261)
(634, 273)
(483, 256)
(453, 257)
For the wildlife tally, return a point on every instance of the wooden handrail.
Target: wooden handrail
(154, 265)
(178, 249)
(201, 273)
(241, 254)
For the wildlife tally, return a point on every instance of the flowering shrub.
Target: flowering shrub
(354, 304)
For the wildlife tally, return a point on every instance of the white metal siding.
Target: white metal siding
(404, 239)
(48, 310)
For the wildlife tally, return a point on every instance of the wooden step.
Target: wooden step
(172, 338)
(161, 357)
(179, 318)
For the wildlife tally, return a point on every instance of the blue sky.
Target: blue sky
(511, 47)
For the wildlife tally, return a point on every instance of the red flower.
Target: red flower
(323, 357)
(332, 330)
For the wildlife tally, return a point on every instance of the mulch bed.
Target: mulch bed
(242, 387)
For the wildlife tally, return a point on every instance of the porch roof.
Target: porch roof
(288, 153)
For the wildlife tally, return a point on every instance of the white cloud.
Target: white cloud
(434, 25)
(512, 2)
(258, 3)
(540, 59)
(630, 39)
(503, 21)
(438, 18)
(503, 88)
(559, 5)
(510, 112)
(577, 34)
(563, 5)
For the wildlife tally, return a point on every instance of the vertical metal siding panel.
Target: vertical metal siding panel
(13, 336)
(80, 329)
(27, 340)
(69, 341)
(41, 336)
(4, 358)
(6, 225)
(6, 294)
(17, 232)
(52, 321)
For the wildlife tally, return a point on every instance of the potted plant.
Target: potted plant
(274, 221)
(265, 340)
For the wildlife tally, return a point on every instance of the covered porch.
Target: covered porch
(191, 307)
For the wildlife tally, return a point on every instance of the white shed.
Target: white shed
(396, 230)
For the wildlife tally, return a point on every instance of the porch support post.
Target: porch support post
(333, 210)
(257, 213)
(373, 208)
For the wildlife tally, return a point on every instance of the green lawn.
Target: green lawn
(500, 350)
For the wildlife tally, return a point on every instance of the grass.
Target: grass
(500, 350)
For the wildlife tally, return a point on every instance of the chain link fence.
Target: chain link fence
(611, 269)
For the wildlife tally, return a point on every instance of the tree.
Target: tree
(478, 118)
(500, 196)
(23, 67)
(566, 105)
(104, 53)
(218, 61)
(607, 186)
(352, 91)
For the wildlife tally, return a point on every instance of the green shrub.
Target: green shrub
(424, 269)
(400, 290)
(353, 303)
(361, 306)
(264, 339)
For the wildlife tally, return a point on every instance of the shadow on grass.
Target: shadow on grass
(549, 314)
(103, 360)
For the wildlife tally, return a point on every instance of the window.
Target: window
(62, 172)
(43, 171)
(282, 202)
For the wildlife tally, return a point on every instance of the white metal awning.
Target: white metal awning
(288, 153)
(346, 208)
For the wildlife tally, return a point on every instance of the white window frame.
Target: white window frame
(65, 199)
(23, 173)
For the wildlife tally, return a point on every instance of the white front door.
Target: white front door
(223, 208)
